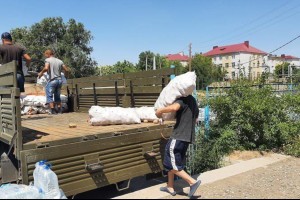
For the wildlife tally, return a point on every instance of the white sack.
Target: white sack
(45, 79)
(32, 100)
(100, 116)
(181, 86)
(29, 110)
(146, 113)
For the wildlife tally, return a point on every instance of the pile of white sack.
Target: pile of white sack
(181, 86)
(32, 105)
(101, 116)
(45, 186)
(45, 79)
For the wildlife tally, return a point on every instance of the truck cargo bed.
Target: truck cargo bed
(52, 130)
(118, 151)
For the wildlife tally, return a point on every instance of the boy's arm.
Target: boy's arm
(172, 108)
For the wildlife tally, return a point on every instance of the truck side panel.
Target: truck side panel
(89, 165)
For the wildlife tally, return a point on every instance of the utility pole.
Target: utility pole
(190, 57)
(146, 62)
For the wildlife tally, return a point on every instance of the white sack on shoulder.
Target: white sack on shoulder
(181, 86)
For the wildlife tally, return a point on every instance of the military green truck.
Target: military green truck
(85, 157)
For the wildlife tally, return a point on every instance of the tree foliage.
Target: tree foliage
(119, 67)
(70, 42)
(206, 71)
(279, 68)
(260, 119)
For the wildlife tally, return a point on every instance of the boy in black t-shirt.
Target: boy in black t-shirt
(187, 113)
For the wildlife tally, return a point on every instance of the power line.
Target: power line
(275, 49)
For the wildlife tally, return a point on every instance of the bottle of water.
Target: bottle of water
(13, 191)
(49, 184)
(36, 173)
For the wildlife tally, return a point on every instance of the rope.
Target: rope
(162, 128)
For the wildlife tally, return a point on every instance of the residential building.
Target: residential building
(184, 60)
(273, 60)
(239, 60)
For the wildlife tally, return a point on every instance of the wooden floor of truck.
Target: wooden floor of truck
(42, 129)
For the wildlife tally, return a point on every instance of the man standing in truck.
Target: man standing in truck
(54, 67)
(187, 113)
(10, 52)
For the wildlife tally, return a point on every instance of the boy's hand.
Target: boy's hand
(158, 113)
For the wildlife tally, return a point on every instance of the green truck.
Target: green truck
(85, 157)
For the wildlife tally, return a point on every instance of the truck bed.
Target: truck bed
(49, 130)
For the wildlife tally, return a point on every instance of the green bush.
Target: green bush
(249, 118)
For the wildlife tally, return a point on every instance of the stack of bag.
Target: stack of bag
(32, 104)
(101, 116)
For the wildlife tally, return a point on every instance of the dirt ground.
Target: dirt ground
(280, 180)
(238, 156)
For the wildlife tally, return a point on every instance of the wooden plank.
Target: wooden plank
(147, 89)
(7, 80)
(98, 78)
(152, 73)
(102, 91)
(146, 81)
(109, 83)
(9, 68)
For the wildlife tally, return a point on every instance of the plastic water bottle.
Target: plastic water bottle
(49, 184)
(36, 173)
(13, 191)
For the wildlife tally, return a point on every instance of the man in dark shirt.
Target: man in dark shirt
(187, 113)
(10, 52)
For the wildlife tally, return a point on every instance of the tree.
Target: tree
(124, 67)
(70, 42)
(118, 68)
(146, 59)
(278, 69)
(205, 70)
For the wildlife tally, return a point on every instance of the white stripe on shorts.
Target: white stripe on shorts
(173, 160)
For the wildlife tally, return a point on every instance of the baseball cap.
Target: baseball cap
(6, 36)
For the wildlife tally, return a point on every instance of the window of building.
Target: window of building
(233, 75)
(233, 64)
(227, 65)
(215, 59)
(226, 57)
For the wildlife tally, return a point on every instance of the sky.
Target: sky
(122, 29)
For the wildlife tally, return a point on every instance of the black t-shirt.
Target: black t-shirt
(9, 53)
(186, 117)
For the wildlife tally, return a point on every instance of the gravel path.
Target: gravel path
(279, 180)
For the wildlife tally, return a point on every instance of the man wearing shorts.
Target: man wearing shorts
(54, 67)
(187, 113)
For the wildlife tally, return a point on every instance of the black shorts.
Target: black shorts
(175, 154)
